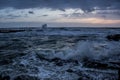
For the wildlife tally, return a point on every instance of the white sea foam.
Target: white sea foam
(67, 48)
(86, 49)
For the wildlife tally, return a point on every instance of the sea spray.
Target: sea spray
(84, 50)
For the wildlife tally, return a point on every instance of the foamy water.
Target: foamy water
(59, 54)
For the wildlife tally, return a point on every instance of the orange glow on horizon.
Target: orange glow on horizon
(90, 20)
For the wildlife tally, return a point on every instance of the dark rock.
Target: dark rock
(59, 64)
(41, 57)
(5, 61)
(50, 42)
(75, 62)
(85, 77)
(4, 77)
(80, 78)
(26, 77)
(8, 58)
(10, 31)
(95, 64)
(70, 70)
(5, 45)
(14, 45)
(115, 37)
(119, 74)
(15, 39)
(18, 45)
(58, 61)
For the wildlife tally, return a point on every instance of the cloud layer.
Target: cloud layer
(86, 5)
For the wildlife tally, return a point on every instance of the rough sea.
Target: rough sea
(64, 53)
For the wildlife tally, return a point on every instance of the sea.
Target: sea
(59, 53)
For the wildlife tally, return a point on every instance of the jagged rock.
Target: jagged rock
(7, 57)
(59, 64)
(115, 37)
(14, 45)
(58, 61)
(70, 70)
(5, 61)
(41, 57)
(4, 77)
(95, 64)
(119, 74)
(10, 31)
(26, 77)
(84, 78)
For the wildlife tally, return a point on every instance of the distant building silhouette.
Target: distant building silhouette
(44, 26)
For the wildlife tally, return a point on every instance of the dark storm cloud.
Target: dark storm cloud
(109, 12)
(10, 16)
(86, 5)
(62, 9)
(65, 15)
(76, 14)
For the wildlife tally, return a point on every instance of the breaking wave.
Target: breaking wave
(86, 49)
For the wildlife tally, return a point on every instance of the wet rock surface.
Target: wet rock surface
(25, 77)
(115, 37)
(4, 77)
(10, 31)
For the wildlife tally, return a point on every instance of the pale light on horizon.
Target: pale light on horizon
(90, 20)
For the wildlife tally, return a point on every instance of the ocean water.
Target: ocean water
(64, 53)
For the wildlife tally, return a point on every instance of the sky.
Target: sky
(98, 13)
